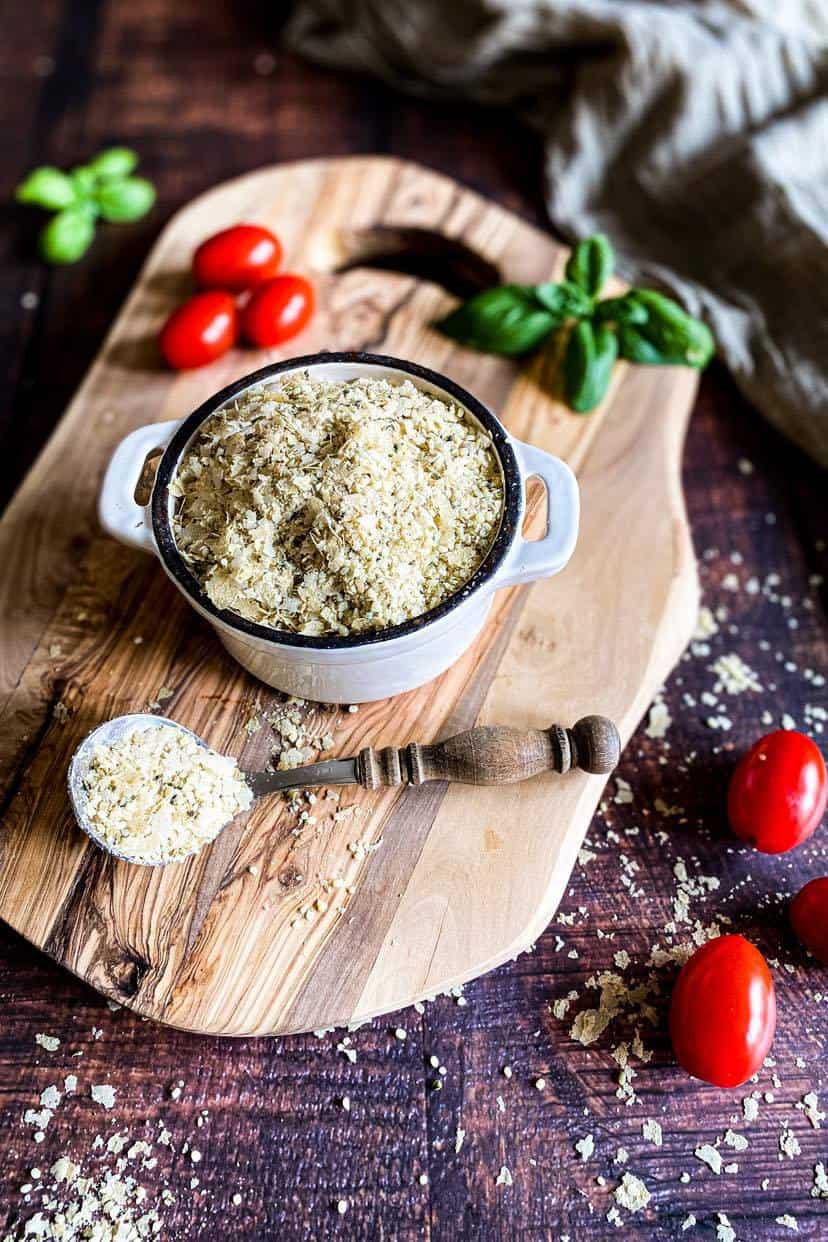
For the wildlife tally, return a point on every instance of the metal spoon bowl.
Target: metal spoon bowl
(329, 772)
(106, 733)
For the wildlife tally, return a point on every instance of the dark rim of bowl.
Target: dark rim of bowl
(183, 576)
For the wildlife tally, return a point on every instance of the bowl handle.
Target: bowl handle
(540, 558)
(118, 511)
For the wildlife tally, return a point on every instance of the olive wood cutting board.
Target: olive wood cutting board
(463, 878)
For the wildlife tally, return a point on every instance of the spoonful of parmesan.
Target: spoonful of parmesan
(149, 791)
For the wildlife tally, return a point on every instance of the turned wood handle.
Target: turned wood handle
(495, 755)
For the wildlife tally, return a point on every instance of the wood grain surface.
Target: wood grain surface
(198, 90)
(409, 888)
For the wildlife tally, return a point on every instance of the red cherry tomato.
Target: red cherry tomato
(201, 329)
(809, 917)
(723, 1012)
(777, 792)
(277, 311)
(237, 258)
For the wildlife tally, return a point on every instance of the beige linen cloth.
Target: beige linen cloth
(695, 134)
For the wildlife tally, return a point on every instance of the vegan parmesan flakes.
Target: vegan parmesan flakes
(336, 508)
(156, 795)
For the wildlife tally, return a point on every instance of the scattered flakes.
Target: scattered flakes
(788, 1222)
(358, 849)
(104, 1095)
(624, 792)
(746, 467)
(347, 1051)
(689, 1222)
(585, 1147)
(401, 1033)
(819, 1190)
(724, 1230)
(789, 1144)
(787, 721)
(622, 1156)
(651, 1131)
(750, 1107)
(459, 1139)
(734, 676)
(706, 625)
(102, 1205)
(810, 1107)
(709, 1156)
(342, 1206)
(39, 1120)
(50, 1098)
(70, 1084)
(50, 1042)
(631, 1193)
(504, 1177)
(589, 1024)
(737, 1141)
(659, 720)
(236, 1200)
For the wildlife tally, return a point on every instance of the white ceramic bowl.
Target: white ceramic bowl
(359, 667)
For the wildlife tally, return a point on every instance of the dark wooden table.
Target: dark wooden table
(204, 93)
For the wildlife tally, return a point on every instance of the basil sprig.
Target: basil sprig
(514, 319)
(641, 326)
(104, 187)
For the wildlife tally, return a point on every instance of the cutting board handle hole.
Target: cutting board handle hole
(423, 253)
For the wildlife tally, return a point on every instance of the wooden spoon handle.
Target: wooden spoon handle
(495, 755)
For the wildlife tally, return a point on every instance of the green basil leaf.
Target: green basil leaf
(68, 235)
(634, 346)
(626, 309)
(590, 356)
(505, 320)
(124, 200)
(668, 336)
(46, 187)
(83, 180)
(591, 264)
(114, 164)
(564, 300)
